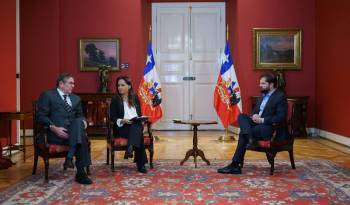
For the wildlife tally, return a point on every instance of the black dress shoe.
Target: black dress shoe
(128, 155)
(142, 169)
(230, 169)
(82, 179)
(68, 163)
(128, 152)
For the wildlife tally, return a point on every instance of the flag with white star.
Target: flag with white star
(227, 94)
(150, 89)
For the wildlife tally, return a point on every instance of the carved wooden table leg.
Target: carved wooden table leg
(201, 154)
(188, 154)
(195, 151)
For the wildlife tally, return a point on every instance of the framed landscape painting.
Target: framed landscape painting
(275, 48)
(96, 52)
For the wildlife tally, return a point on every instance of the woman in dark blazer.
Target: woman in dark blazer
(125, 106)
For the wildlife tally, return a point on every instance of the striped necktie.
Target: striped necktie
(66, 105)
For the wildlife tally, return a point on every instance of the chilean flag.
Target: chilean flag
(227, 94)
(150, 90)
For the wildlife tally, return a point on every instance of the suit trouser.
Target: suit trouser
(134, 133)
(249, 130)
(77, 142)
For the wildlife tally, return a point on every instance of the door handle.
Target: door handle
(189, 78)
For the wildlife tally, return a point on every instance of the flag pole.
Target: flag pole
(226, 137)
(155, 137)
(150, 33)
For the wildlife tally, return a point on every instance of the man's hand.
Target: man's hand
(59, 131)
(257, 119)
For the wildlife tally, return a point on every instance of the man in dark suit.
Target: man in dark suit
(271, 108)
(61, 111)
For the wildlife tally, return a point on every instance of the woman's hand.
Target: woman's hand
(126, 121)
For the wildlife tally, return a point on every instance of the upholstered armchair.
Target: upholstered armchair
(45, 150)
(116, 143)
(273, 146)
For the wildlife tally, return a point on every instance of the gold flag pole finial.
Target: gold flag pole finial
(226, 32)
(150, 33)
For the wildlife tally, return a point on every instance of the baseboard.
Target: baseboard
(312, 132)
(335, 137)
(29, 132)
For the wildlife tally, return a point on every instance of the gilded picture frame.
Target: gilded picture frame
(277, 48)
(96, 52)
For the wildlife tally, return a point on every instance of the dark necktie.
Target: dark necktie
(66, 105)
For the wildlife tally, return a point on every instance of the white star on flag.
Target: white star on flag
(149, 59)
(224, 58)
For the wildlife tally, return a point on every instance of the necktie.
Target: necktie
(66, 105)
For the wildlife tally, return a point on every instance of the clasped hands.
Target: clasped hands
(257, 119)
(128, 121)
(62, 132)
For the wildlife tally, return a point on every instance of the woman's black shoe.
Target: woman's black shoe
(83, 179)
(128, 155)
(128, 152)
(142, 169)
(68, 163)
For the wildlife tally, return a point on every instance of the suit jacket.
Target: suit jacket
(275, 113)
(117, 110)
(52, 111)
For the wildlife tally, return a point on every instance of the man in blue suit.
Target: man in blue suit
(271, 108)
(60, 110)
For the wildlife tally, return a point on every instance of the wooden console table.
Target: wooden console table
(195, 151)
(21, 116)
(95, 108)
(299, 116)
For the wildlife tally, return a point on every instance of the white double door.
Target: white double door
(188, 39)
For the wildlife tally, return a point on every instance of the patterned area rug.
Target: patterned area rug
(313, 182)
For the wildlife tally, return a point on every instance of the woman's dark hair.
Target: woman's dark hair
(270, 78)
(131, 94)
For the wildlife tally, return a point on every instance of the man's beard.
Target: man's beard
(264, 91)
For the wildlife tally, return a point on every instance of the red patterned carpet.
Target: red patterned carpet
(313, 182)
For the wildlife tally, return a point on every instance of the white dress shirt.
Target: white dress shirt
(61, 94)
(129, 113)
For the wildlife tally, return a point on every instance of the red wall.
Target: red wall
(332, 62)
(244, 15)
(40, 59)
(51, 29)
(8, 62)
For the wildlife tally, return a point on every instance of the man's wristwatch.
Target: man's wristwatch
(51, 126)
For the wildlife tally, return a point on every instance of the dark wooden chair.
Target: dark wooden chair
(45, 150)
(273, 146)
(115, 143)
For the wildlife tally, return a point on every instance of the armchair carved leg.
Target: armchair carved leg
(36, 156)
(151, 152)
(46, 161)
(271, 160)
(112, 159)
(291, 157)
(107, 160)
